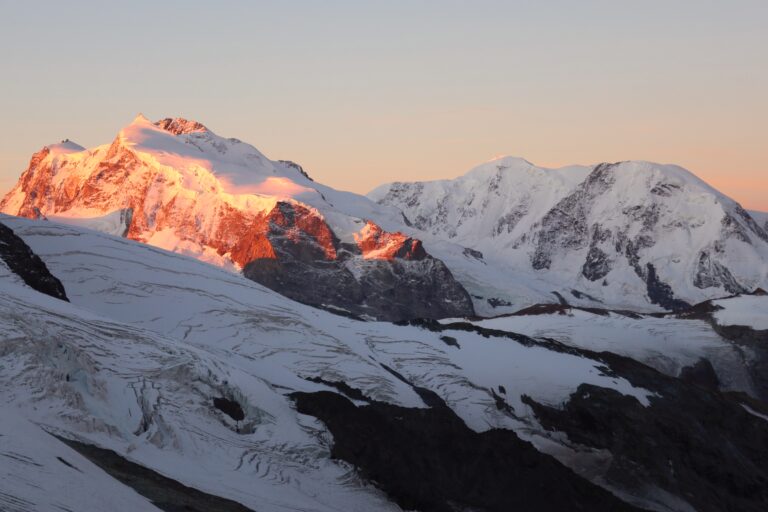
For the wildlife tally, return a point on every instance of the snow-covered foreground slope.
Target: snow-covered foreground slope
(150, 338)
(207, 307)
(39, 472)
(631, 234)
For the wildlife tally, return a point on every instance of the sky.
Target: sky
(366, 92)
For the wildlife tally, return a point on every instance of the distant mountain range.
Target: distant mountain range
(629, 234)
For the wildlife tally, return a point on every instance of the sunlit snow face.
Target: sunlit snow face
(235, 168)
(269, 186)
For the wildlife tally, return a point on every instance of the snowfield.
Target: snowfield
(39, 472)
(151, 337)
(667, 344)
(748, 310)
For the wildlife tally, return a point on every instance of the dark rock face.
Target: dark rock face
(180, 125)
(597, 265)
(752, 225)
(314, 282)
(473, 253)
(229, 407)
(450, 341)
(310, 265)
(701, 374)
(731, 228)
(661, 293)
(665, 189)
(582, 295)
(429, 460)
(565, 226)
(386, 290)
(496, 302)
(296, 166)
(509, 220)
(343, 387)
(756, 342)
(710, 274)
(564, 309)
(164, 493)
(751, 341)
(27, 265)
(420, 289)
(698, 445)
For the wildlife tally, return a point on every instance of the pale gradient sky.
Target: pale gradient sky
(362, 93)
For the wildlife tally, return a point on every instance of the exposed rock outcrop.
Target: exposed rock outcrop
(20, 259)
(753, 342)
(713, 274)
(164, 493)
(700, 446)
(387, 276)
(179, 125)
(429, 460)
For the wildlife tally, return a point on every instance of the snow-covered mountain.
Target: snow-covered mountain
(210, 381)
(630, 234)
(176, 185)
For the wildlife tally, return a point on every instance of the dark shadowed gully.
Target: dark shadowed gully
(429, 460)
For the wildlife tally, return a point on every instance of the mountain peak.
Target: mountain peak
(510, 160)
(65, 146)
(173, 125)
(140, 118)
